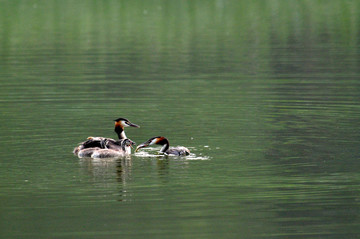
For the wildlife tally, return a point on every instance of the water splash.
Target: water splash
(153, 153)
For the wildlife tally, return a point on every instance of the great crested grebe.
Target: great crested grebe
(99, 142)
(178, 151)
(119, 148)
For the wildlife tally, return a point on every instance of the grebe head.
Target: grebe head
(127, 143)
(120, 123)
(154, 140)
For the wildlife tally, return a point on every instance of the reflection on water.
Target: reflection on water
(265, 95)
(106, 171)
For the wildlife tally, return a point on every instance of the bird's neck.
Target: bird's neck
(165, 146)
(120, 132)
(128, 150)
(122, 135)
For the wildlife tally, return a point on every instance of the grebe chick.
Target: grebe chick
(178, 151)
(114, 152)
(86, 153)
(93, 142)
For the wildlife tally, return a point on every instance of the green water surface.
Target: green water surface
(264, 93)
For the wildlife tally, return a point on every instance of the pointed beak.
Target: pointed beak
(141, 146)
(133, 125)
(132, 143)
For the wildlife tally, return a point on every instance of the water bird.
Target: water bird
(114, 150)
(110, 149)
(95, 143)
(161, 140)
